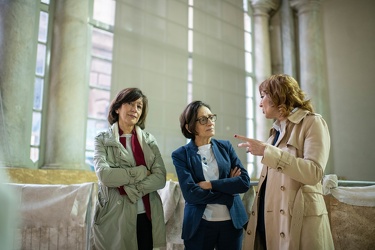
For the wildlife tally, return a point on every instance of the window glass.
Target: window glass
(38, 93)
(102, 43)
(34, 154)
(40, 79)
(98, 103)
(40, 60)
(100, 75)
(35, 132)
(93, 128)
(104, 11)
(43, 27)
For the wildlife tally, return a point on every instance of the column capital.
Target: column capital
(305, 5)
(264, 7)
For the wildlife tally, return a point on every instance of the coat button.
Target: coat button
(119, 202)
(282, 235)
(248, 232)
(282, 211)
(282, 188)
(252, 213)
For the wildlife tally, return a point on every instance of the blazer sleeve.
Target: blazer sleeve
(227, 184)
(191, 191)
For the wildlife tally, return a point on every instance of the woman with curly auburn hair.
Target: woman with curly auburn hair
(289, 211)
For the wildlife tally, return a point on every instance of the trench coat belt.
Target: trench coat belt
(297, 218)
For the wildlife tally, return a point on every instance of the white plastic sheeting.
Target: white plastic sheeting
(357, 196)
(54, 216)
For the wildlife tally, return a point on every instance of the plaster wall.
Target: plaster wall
(349, 34)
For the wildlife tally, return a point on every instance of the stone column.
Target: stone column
(288, 40)
(67, 107)
(262, 54)
(313, 78)
(18, 26)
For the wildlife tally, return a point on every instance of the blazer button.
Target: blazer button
(248, 232)
(282, 211)
(282, 235)
(252, 213)
(282, 188)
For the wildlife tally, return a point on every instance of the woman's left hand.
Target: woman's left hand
(253, 146)
(234, 172)
(205, 185)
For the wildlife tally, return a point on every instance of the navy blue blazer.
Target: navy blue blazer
(224, 191)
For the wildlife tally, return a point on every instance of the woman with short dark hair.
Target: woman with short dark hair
(211, 177)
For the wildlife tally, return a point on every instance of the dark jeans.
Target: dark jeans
(219, 235)
(144, 232)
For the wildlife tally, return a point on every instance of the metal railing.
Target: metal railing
(341, 183)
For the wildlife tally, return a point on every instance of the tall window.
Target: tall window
(102, 22)
(153, 55)
(220, 64)
(41, 76)
(250, 98)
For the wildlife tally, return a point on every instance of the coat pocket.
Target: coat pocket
(100, 211)
(314, 209)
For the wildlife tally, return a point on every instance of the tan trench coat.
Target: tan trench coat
(295, 212)
(115, 219)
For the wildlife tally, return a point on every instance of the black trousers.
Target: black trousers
(144, 232)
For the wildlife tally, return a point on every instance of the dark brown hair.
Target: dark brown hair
(126, 96)
(285, 93)
(189, 118)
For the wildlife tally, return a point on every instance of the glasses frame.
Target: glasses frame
(204, 119)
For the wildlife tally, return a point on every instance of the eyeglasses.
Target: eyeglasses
(204, 119)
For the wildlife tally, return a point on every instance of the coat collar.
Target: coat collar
(297, 116)
(114, 137)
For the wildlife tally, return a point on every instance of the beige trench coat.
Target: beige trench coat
(295, 212)
(115, 219)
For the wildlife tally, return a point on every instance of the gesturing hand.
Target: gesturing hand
(253, 146)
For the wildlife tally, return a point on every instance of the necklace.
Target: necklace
(206, 154)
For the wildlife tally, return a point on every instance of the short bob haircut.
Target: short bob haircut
(189, 118)
(126, 96)
(285, 93)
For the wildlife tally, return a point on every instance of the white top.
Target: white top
(213, 212)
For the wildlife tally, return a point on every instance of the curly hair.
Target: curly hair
(125, 96)
(285, 93)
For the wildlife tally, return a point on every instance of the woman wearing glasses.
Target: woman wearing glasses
(211, 176)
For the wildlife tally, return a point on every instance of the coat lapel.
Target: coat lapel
(195, 160)
(219, 159)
